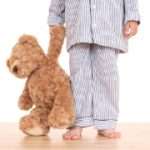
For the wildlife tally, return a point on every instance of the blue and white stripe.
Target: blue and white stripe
(94, 21)
(95, 85)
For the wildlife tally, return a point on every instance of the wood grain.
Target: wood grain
(134, 137)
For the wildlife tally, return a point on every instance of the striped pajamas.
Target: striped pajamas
(95, 85)
(94, 21)
(94, 31)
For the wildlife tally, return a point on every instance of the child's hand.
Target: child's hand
(130, 29)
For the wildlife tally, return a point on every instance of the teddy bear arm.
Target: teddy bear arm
(25, 101)
(57, 35)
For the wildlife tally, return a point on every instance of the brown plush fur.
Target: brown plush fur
(47, 87)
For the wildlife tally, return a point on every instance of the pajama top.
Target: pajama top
(94, 21)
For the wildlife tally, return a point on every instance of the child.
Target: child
(97, 31)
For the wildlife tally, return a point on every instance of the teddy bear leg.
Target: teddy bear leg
(62, 114)
(35, 124)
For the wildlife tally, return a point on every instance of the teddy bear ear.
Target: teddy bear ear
(28, 39)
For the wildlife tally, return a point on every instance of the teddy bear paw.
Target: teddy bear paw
(30, 127)
(24, 104)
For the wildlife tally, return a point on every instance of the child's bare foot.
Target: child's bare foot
(109, 133)
(73, 134)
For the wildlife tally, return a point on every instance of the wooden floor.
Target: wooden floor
(135, 137)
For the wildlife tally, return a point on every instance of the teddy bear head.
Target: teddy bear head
(25, 57)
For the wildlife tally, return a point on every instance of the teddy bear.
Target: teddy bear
(47, 90)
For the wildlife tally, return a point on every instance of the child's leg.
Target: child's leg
(106, 90)
(80, 69)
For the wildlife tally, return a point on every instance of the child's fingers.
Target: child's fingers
(129, 31)
(133, 31)
(126, 30)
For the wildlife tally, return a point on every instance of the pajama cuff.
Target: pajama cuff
(84, 122)
(55, 20)
(107, 124)
(132, 17)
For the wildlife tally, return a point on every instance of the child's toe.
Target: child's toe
(76, 137)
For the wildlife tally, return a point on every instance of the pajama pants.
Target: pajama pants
(95, 85)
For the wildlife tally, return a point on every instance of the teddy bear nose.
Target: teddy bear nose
(15, 69)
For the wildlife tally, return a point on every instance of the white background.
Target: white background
(30, 16)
